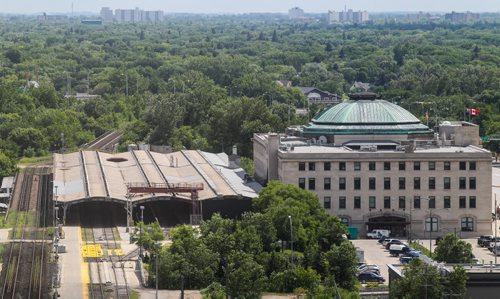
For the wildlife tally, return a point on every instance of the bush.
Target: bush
(292, 279)
(214, 291)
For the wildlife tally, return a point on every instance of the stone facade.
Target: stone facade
(376, 189)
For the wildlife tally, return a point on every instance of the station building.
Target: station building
(105, 180)
(376, 166)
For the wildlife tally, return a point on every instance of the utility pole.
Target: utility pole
(291, 237)
(140, 232)
(496, 228)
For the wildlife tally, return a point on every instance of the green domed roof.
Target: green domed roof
(364, 114)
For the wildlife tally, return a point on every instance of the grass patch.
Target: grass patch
(116, 234)
(420, 248)
(2, 250)
(35, 160)
(134, 295)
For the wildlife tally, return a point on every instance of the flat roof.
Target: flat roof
(343, 149)
(88, 175)
(7, 182)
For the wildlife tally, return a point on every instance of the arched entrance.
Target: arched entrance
(396, 224)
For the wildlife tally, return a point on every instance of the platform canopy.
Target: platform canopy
(96, 176)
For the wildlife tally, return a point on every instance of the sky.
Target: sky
(246, 6)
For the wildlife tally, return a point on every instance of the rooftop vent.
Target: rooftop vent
(116, 159)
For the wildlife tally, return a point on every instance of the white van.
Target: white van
(378, 233)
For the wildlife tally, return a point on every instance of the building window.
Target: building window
(387, 202)
(342, 166)
(344, 220)
(327, 166)
(372, 202)
(372, 183)
(402, 165)
(342, 202)
(472, 183)
(462, 166)
(312, 184)
(472, 165)
(302, 183)
(387, 183)
(431, 224)
(447, 183)
(432, 183)
(402, 202)
(462, 182)
(416, 183)
(327, 202)
(416, 165)
(416, 202)
(447, 202)
(357, 166)
(447, 165)
(472, 202)
(402, 183)
(327, 184)
(461, 202)
(357, 183)
(467, 224)
(387, 165)
(302, 166)
(312, 166)
(432, 165)
(432, 202)
(341, 183)
(372, 166)
(357, 202)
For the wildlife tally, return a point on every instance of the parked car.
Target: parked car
(397, 249)
(408, 256)
(377, 233)
(370, 277)
(492, 245)
(384, 243)
(486, 243)
(365, 267)
(394, 241)
(482, 239)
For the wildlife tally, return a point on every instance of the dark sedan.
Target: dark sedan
(370, 277)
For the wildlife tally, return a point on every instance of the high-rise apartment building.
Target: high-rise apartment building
(131, 15)
(348, 16)
(296, 13)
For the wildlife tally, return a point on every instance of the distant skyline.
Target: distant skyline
(235, 6)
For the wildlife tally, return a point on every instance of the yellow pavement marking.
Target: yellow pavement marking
(84, 269)
(92, 250)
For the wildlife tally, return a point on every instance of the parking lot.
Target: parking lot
(377, 255)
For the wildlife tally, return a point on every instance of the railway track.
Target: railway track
(105, 142)
(24, 273)
(107, 274)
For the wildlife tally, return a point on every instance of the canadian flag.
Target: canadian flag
(473, 111)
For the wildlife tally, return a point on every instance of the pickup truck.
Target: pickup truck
(397, 249)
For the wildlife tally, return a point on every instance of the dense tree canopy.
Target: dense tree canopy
(208, 83)
(254, 254)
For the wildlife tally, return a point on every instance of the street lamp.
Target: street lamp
(140, 232)
(157, 246)
(431, 223)
(56, 233)
(291, 236)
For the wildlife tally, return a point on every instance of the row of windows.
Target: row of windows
(432, 223)
(372, 183)
(388, 202)
(372, 166)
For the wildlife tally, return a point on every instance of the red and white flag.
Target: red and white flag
(473, 111)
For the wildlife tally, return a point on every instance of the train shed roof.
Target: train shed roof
(96, 176)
